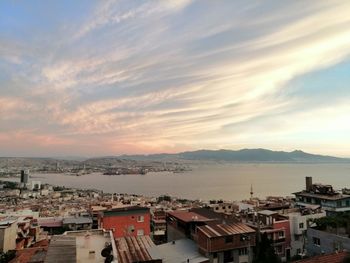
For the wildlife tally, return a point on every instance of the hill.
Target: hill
(244, 155)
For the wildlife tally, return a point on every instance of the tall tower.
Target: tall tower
(251, 191)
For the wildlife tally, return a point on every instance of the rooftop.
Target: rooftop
(7, 221)
(62, 249)
(330, 258)
(178, 251)
(126, 209)
(267, 212)
(186, 216)
(50, 221)
(219, 230)
(133, 249)
(89, 244)
(335, 197)
(77, 220)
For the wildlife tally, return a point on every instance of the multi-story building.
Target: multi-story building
(20, 232)
(158, 225)
(277, 229)
(299, 221)
(8, 234)
(126, 221)
(183, 224)
(326, 242)
(324, 196)
(223, 243)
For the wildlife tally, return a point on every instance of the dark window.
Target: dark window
(229, 239)
(215, 255)
(301, 225)
(316, 241)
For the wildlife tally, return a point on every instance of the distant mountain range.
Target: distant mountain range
(244, 155)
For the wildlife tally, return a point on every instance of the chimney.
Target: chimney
(308, 180)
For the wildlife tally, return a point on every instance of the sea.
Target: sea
(211, 181)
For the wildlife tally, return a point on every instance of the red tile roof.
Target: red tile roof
(330, 258)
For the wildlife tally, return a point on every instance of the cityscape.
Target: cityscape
(42, 222)
(174, 131)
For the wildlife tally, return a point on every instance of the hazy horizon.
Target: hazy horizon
(145, 154)
(102, 78)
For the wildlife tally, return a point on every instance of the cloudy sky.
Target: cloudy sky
(96, 78)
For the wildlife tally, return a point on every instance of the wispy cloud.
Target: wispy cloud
(133, 76)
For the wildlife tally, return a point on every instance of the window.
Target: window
(140, 219)
(229, 207)
(229, 239)
(301, 225)
(216, 208)
(281, 234)
(339, 204)
(243, 251)
(224, 207)
(316, 241)
(140, 232)
(298, 251)
(215, 255)
(131, 229)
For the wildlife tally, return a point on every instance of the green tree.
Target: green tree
(265, 253)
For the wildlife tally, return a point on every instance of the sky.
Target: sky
(93, 78)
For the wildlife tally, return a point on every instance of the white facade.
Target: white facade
(298, 226)
(8, 235)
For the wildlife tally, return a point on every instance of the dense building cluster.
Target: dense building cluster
(42, 223)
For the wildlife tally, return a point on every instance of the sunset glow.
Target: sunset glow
(91, 78)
